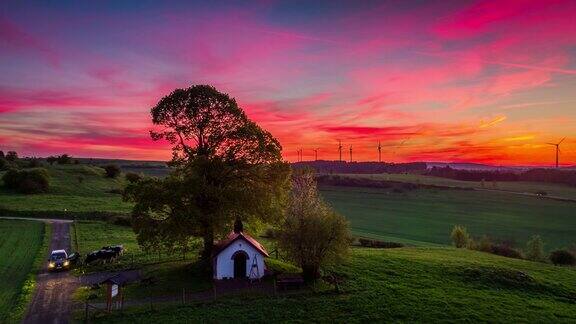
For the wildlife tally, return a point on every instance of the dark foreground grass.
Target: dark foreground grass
(20, 243)
(407, 285)
(428, 215)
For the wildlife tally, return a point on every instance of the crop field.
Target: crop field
(424, 285)
(426, 216)
(73, 188)
(20, 242)
(556, 190)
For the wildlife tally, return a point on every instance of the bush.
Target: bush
(27, 181)
(122, 221)
(112, 171)
(33, 163)
(506, 251)
(4, 165)
(562, 257)
(485, 245)
(271, 232)
(535, 249)
(379, 244)
(64, 159)
(11, 156)
(133, 177)
(460, 236)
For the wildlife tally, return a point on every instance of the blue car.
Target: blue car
(58, 260)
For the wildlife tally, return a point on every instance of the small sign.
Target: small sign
(114, 290)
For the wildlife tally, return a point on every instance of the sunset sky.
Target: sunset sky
(476, 81)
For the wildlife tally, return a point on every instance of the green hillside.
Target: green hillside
(428, 215)
(408, 285)
(73, 188)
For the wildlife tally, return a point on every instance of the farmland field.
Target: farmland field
(423, 285)
(20, 242)
(557, 190)
(427, 215)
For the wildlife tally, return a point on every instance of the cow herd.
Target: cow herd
(105, 255)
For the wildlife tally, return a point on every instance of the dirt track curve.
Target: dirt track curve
(52, 297)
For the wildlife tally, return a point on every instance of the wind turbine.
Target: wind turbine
(340, 149)
(315, 154)
(379, 152)
(350, 153)
(557, 149)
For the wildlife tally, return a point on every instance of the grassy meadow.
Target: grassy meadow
(93, 235)
(74, 189)
(20, 243)
(424, 216)
(401, 285)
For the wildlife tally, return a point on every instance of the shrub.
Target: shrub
(535, 249)
(460, 236)
(112, 171)
(27, 181)
(4, 165)
(485, 245)
(472, 245)
(64, 159)
(11, 179)
(122, 221)
(11, 156)
(365, 242)
(34, 163)
(271, 232)
(133, 177)
(506, 251)
(386, 245)
(379, 244)
(562, 257)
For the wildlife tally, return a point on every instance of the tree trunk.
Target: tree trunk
(208, 245)
(310, 273)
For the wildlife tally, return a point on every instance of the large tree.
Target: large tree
(226, 168)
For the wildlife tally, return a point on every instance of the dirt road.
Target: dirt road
(52, 297)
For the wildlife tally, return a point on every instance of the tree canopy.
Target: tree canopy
(227, 168)
(201, 121)
(313, 234)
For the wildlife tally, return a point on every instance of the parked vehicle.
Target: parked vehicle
(58, 260)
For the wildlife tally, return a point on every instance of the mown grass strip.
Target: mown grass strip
(30, 284)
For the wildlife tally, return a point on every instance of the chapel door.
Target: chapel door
(240, 265)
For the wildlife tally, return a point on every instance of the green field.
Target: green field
(93, 235)
(556, 190)
(428, 215)
(423, 285)
(20, 242)
(73, 188)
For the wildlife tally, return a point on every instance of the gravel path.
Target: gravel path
(52, 297)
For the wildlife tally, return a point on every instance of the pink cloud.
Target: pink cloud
(14, 37)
